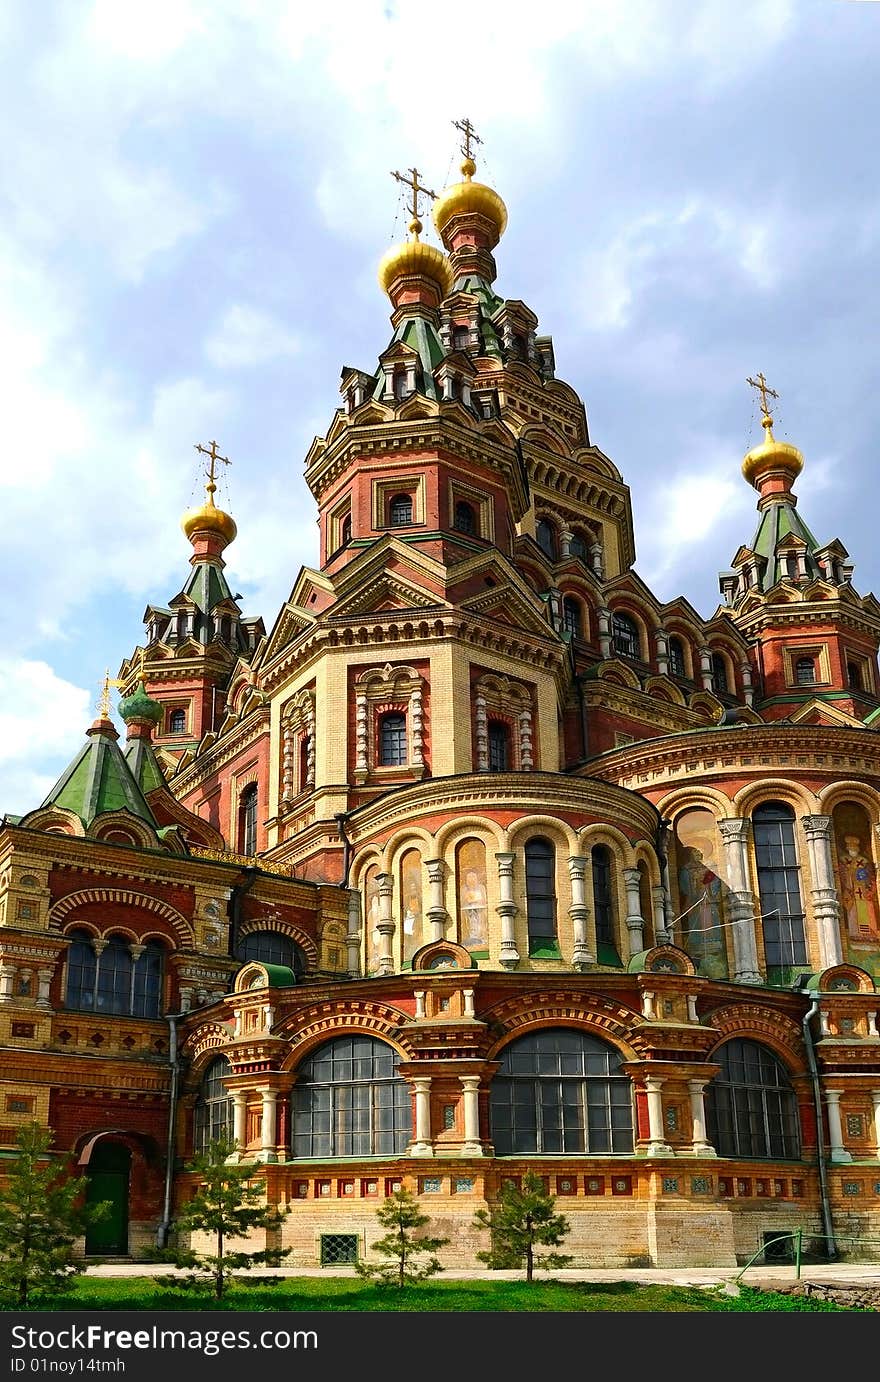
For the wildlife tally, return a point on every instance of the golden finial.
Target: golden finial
(207, 517)
(760, 384)
(103, 704)
(416, 189)
(470, 137)
(211, 464)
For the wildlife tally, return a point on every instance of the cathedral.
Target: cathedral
(479, 859)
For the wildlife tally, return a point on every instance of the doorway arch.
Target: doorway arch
(107, 1178)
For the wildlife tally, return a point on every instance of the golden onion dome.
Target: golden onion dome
(468, 198)
(771, 455)
(208, 518)
(415, 258)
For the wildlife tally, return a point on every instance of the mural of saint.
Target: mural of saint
(411, 902)
(473, 898)
(700, 890)
(371, 920)
(858, 876)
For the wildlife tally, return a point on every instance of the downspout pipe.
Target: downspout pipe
(827, 1221)
(233, 907)
(174, 1065)
(341, 818)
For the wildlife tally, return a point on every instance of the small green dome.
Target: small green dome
(140, 706)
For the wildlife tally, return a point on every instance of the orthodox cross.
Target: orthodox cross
(104, 702)
(211, 464)
(470, 135)
(761, 385)
(416, 190)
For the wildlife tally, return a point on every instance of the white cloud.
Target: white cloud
(683, 513)
(245, 336)
(40, 715)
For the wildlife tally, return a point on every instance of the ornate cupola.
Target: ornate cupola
(416, 275)
(470, 217)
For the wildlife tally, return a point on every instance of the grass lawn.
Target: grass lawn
(345, 1293)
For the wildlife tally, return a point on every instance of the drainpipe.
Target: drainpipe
(585, 733)
(233, 906)
(174, 1064)
(340, 818)
(827, 1222)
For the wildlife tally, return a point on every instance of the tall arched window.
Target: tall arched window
(272, 948)
(779, 885)
(545, 534)
(499, 746)
(465, 518)
(349, 1100)
(119, 980)
(719, 674)
(177, 722)
(82, 971)
(541, 894)
(392, 740)
(805, 671)
(577, 546)
(247, 819)
(751, 1108)
(603, 905)
(213, 1113)
(625, 636)
(305, 751)
(400, 511)
(854, 676)
(561, 1091)
(676, 658)
(572, 618)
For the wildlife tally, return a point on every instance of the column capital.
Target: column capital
(817, 827)
(736, 828)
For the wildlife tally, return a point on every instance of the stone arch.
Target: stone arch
(283, 928)
(518, 1017)
(834, 793)
(662, 689)
(617, 671)
(462, 827)
(802, 801)
(750, 1022)
(559, 830)
(383, 1023)
(54, 820)
(140, 835)
(408, 837)
(127, 897)
(695, 796)
(601, 833)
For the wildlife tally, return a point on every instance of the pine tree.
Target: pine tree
(401, 1215)
(522, 1220)
(41, 1215)
(228, 1203)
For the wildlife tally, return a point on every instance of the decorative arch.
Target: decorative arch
(487, 830)
(128, 898)
(802, 801)
(846, 978)
(306, 1030)
(614, 670)
(54, 820)
(662, 689)
(557, 829)
(601, 833)
(397, 689)
(137, 832)
(833, 793)
(754, 1023)
(284, 928)
(520, 1015)
(695, 796)
(500, 700)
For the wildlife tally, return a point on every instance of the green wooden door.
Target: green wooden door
(107, 1179)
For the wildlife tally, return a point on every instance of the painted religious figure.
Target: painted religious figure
(473, 899)
(701, 894)
(371, 920)
(858, 876)
(411, 902)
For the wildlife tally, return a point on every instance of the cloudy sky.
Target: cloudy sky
(195, 195)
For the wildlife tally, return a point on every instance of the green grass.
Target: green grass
(348, 1293)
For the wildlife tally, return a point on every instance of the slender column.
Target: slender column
(700, 1144)
(421, 1144)
(604, 617)
(565, 537)
(692, 1007)
(657, 1145)
(836, 1151)
(661, 648)
(875, 1099)
(353, 936)
(419, 996)
(579, 911)
(468, 996)
(417, 756)
(635, 923)
(658, 900)
(740, 900)
(872, 1025)
(7, 980)
(360, 711)
(648, 1005)
(706, 668)
(287, 761)
(186, 997)
(470, 1085)
(385, 924)
(745, 669)
(507, 910)
(526, 752)
(268, 1137)
(826, 907)
(239, 1119)
(436, 912)
(597, 559)
(310, 751)
(44, 981)
(481, 721)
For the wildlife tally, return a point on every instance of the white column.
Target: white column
(875, 1099)
(741, 903)
(44, 980)
(385, 924)
(360, 711)
(421, 1144)
(706, 668)
(597, 559)
(7, 982)
(661, 648)
(470, 1085)
(826, 908)
(239, 1123)
(417, 756)
(872, 1024)
(604, 617)
(579, 912)
(507, 910)
(648, 1005)
(468, 996)
(691, 999)
(481, 720)
(353, 936)
(419, 996)
(700, 1145)
(436, 912)
(268, 1137)
(635, 923)
(837, 1151)
(526, 751)
(657, 1145)
(748, 687)
(658, 901)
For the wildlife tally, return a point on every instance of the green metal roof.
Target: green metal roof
(778, 521)
(144, 765)
(99, 780)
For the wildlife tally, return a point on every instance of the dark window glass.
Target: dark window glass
(400, 384)
(603, 896)
(719, 674)
(115, 981)
(572, 621)
(460, 338)
(546, 536)
(625, 636)
(82, 972)
(400, 511)
(465, 518)
(345, 530)
(392, 740)
(577, 546)
(499, 747)
(272, 948)
(805, 671)
(541, 890)
(213, 1106)
(349, 1100)
(177, 722)
(305, 746)
(854, 676)
(561, 1091)
(779, 884)
(751, 1108)
(676, 658)
(247, 820)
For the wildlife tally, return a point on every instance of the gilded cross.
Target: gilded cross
(104, 702)
(211, 464)
(416, 190)
(469, 133)
(761, 385)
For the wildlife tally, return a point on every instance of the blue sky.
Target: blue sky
(195, 195)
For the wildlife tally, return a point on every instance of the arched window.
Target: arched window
(541, 894)
(561, 1091)
(272, 948)
(779, 885)
(400, 510)
(465, 518)
(625, 636)
(546, 537)
(349, 1100)
(572, 618)
(603, 905)
(115, 981)
(805, 671)
(213, 1106)
(177, 722)
(499, 746)
(719, 675)
(751, 1108)
(460, 338)
(577, 546)
(392, 740)
(247, 819)
(676, 658)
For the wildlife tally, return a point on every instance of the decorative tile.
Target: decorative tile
(852, 1187)
(855, 1126)
(431, 1185)
(701, 1185)
(463, 1185)
(670, 1185)
(448, 1117)
(595, 1185)
(672, 1118)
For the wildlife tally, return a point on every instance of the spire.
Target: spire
(773, 466)
(415, 274)
(207, 527)
(141, 714)
(470, 217)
